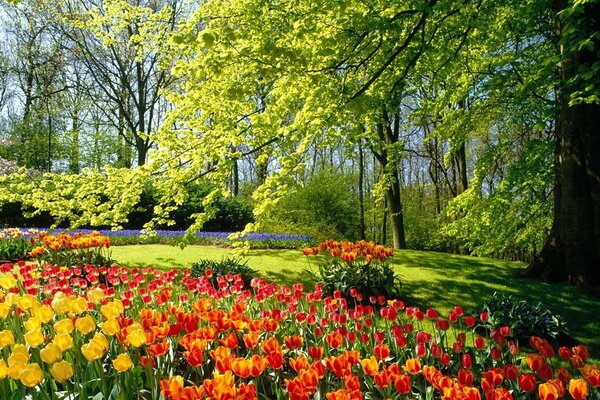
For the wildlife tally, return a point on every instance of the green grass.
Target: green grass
(429, 279)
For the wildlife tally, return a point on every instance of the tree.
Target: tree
(110, 40)
(572, 251)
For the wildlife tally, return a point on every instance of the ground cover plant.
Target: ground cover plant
(149, 333)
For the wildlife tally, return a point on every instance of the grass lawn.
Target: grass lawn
(430, 279)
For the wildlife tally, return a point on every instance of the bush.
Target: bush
(325, 207)
(358, 270)
(227, 267)
(525, 319)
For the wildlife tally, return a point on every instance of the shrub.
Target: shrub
(525, 319)
(227, 267)
(325, 207)
(358, 270)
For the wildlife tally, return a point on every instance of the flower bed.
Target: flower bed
(145, 333)
(135, 236)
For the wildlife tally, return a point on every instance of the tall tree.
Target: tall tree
(572, 251)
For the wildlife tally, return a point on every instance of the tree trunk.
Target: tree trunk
(361, 191)
(461, 168)
(572, 250)
(395, 207)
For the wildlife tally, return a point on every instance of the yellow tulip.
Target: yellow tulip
(4, 310)
(96, 295)
(122, 363)
(85, 324)
(3, 369)
(136, 337)
(31, 375)
(112, 310)
(19, 356)
(44, 314)
(32, 324)
(28, 302)
(78, 305)
(34, 338)
(64, 341)
(6, 339)
(51, 353)
(92, 351)
(64, 326)
(60, 303)
(11, 299)
(8, 281)
(111, 327)
(61, 371)
(101, 340)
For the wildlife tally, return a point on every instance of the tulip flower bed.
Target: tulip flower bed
(134, 236)
(154, 334)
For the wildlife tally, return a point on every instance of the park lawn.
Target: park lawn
(430, 279)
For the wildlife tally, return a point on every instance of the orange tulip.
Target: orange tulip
(578, 389)
(381, 351)
(334, 339)
(159, 349)
(293, 342)
(383, 379)
(403, 384)
(370, 365)
(591, 374)
(230, 341)
(547, 391)
(413, 366)
(299, 363)
(250, 339)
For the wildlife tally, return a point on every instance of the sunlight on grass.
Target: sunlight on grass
(429, 279)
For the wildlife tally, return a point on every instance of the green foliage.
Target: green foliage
(524, 318)
(368, 279)
(493, 217)
(326, 207)
(225, 268)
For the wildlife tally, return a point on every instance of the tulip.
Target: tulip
(527, 382)
(370, 365)
(412, 366)
(6, 339)
(85, 324)
(31, 375)
(402, 384)
(64, 326)
(548, 391)
(51, 353)
(64, 341)
(61, 371)
(578, 389)
(122, 363)
(34, 338)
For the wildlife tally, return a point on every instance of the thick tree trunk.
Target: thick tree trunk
(573, 250)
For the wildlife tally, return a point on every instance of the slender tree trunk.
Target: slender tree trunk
(384, 223)
(572, 250)
(361, 192)
(461, 169)
(395, 207)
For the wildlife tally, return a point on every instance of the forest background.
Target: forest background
(458, 126)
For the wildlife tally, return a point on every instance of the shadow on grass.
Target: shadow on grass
(288, 277)
(433, 279)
